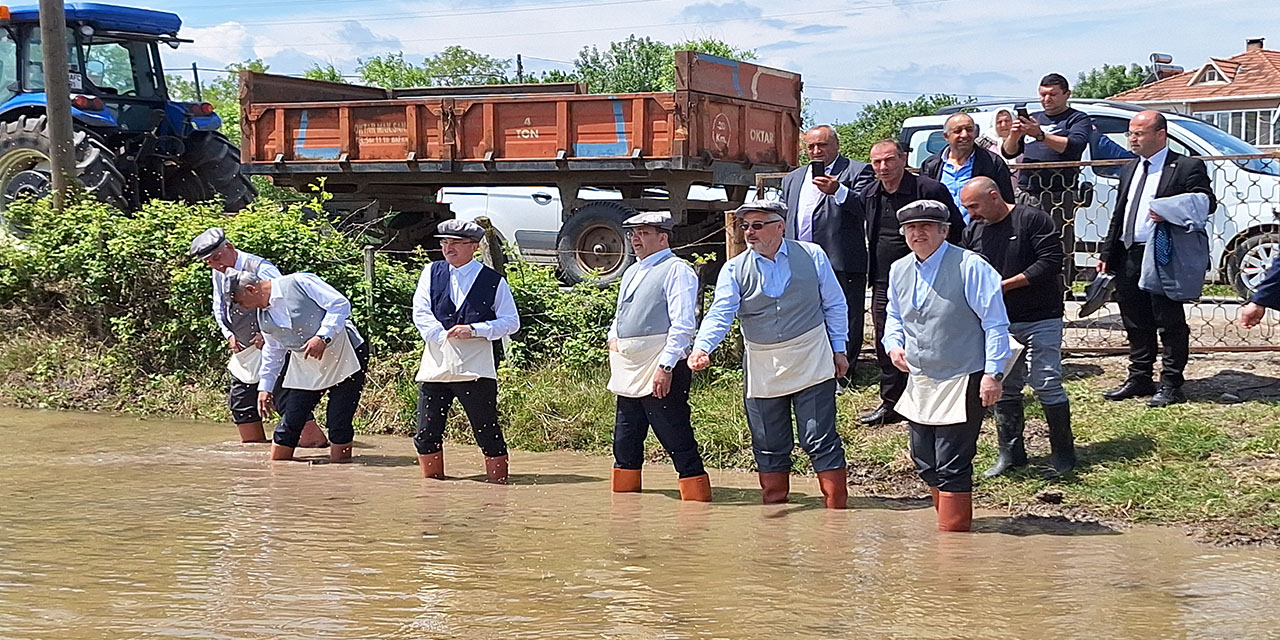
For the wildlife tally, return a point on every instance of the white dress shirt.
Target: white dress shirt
(681, 291)
(1145, 226)
(266, 271)
(336, 318)
(460, 281)
(810, 196)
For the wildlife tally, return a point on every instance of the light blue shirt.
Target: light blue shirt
(981, 290)
(681, 291)
(776, 275)
(956, 178)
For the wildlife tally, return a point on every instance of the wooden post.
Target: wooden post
(369, 254)
(491, 249)
(734, 242)
(62, 155)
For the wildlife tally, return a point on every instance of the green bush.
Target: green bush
(566, 326)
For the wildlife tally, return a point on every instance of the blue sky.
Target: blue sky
(849, 52)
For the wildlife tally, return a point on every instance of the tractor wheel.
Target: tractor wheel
(217, 161)
(25, 165)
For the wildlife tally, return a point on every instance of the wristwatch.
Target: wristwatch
(665, 368)
(998, 376)
(327, 339)
(1040, 138)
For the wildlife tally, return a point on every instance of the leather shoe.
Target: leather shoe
(1167, 396)
(884, 414)
(1132, 388)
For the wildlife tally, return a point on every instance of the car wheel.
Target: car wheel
(1250, 260)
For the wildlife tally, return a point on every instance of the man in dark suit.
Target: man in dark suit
(1157, 172)
(893, 189)
(824, 210)
(962, 160)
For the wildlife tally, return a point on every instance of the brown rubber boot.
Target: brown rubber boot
(340, 452)
(495, 470)
(835, 487)
(432, 465)
(696, 489)
(774, 486)
(934, 491)
(252, 432)
(312, 437)
(625, 481)
(955, 511)
(281, 452)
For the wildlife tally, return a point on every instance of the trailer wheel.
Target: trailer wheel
(25, 165)
(217, 161)
(593, 245)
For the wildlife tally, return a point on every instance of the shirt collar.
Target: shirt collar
(932, 262)
(655, 258)
(240, 260)
(1157, 160)
(276, 294)
(465, 269)
(782, 251)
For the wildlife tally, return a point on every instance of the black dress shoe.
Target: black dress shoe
(1167, 396)
(883, 414)
(1132, 388)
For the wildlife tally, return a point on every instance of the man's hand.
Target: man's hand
(899, 358)
(266, 404)
(613, 345)
(826, 184)
(1155, 217)
(699, 360)
(1027, 127)
(258, 340)
(989, 390)
(461, 332)
(314, 348)
(1251, 314)
(234, 344)
(842, 365)
(1102, 267)
(661, 383)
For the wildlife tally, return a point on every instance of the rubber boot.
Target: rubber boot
(774, 486)
(955, 511)
(252, 432)
(312, 437)
(495, 470)
(625, 481)
(281, 452)
(340, 453)
(835, 488)
(696, 489)
(1062, 443)
(1010, 423)
(432, 465)
(934, 492)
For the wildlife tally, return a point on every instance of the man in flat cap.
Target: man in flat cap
(239, 328)
(795, 325)
(946, 328)
(648, 343)
(463, 309)
(306, 319)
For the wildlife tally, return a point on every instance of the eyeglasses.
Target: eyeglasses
(755, 226)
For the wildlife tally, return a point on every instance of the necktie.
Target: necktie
(1132, 218)
(804, 221)
(1164, 249)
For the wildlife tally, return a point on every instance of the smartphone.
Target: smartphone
(817, 168)
(1022, 111)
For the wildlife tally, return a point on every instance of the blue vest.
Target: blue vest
(477, 307)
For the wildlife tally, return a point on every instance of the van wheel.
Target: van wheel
(592, 246)
(1250, 260)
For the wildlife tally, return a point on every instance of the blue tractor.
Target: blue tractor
(132, 143)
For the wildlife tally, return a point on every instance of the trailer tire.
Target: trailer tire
(217, 161)
(24, 164)
(593, 246)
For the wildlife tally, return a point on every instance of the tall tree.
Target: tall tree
(328, 73)
(392, 71)
(643, 64)
(883, 120)
(1109, 80)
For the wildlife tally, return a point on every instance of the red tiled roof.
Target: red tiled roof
(1249, 73)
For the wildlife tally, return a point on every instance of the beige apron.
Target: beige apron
(777, 370)
(940, 403)
(635, 363)
(244, 365)
(338, 363)
(457, 361)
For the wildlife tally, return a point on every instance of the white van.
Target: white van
(1244, 230)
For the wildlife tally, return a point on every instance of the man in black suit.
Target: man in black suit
(1157, 172)
(824, 210)
(893, 189)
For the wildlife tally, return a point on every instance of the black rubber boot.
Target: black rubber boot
(1010, 423)
(1061, 442)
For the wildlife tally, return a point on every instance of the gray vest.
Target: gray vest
(242, 322)
(944, 337)
(304, 314)
(644, 312)
(767, 320)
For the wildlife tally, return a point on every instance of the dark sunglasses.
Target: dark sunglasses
(755, 226)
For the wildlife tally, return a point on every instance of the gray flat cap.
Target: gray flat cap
(460, 230)
(659, 219)
(206, 243)
(764, 206)
(924, 211)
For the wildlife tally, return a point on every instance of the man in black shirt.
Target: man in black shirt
(1020, 241)
(893, 189)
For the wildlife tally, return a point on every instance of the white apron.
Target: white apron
(633, 366)
(939, 403)
(338, 363)
(777, 370)
(457, 361)
(244, 365)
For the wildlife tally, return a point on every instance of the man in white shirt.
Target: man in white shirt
(463, 310)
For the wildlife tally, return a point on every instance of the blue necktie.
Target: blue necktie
(1164, 249)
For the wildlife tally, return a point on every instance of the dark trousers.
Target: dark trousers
(242, 398)
(670, 420)
(855, 294)
(1147, 315)
(479, 399)
(892, 379)
(344, 397)
(944, 455)
(772, 439)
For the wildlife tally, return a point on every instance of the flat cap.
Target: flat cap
(206, 243)
(764, 206)
(659, 219)
(460, 230)
(924, 211)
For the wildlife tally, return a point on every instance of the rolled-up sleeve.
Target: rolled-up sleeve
(724, 307)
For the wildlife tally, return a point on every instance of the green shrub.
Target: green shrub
(567, 326)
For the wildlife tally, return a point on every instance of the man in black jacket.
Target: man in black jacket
(1157, 172)
(893, 188)
(1022, 243)
(824, 210)
(962, 160)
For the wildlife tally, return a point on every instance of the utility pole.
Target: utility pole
(57, 86)
(519, 69)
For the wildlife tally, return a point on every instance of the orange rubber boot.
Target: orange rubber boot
(774, 486)
(696, 489)
(432, 465)
(495, 470)
(934, 491)
(625, 481)
(835, 487)
(955, 511)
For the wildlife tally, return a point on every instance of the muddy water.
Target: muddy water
(115, 528)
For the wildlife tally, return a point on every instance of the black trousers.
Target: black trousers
(1146, 316)
(670, 420)
(855, 294)
(893, 381)
(242, 398)
(479, 399)
(344, 398)
(944, 455)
